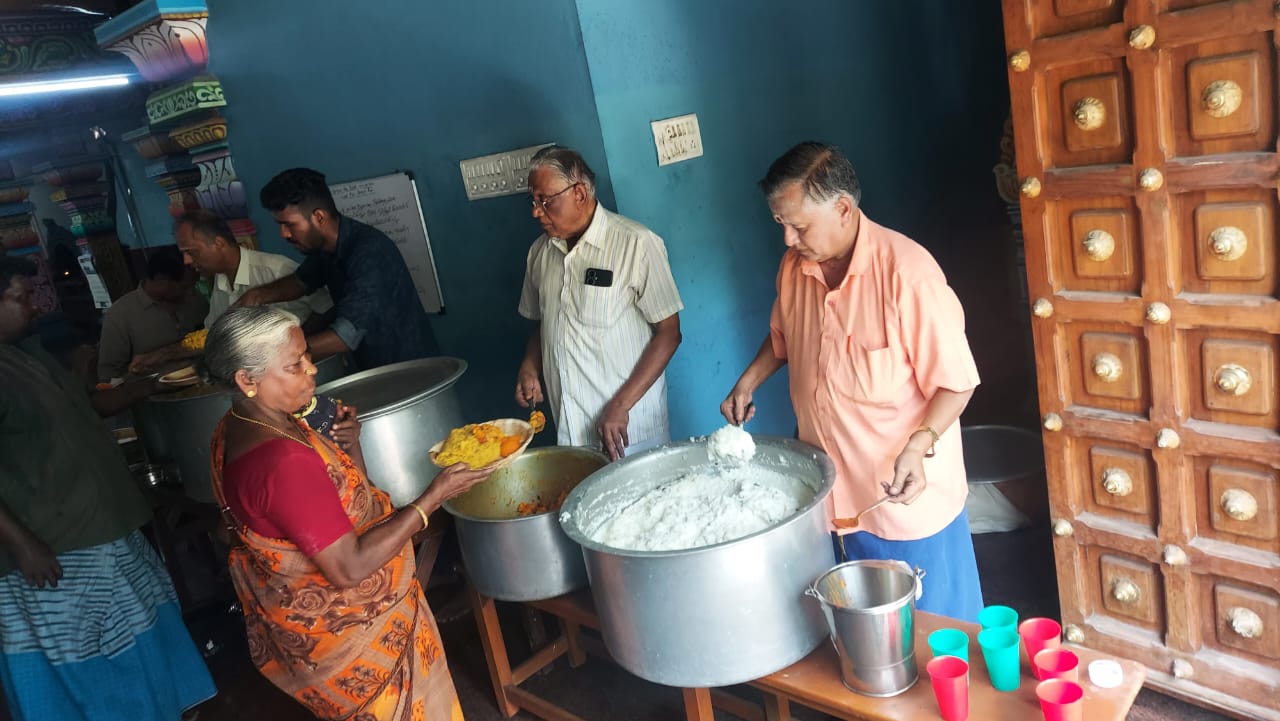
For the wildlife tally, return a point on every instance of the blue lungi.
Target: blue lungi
(951, 585)
(108, 644)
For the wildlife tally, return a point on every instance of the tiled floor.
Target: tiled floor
(1013, 568)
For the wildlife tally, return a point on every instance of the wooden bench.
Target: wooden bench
(813, 682)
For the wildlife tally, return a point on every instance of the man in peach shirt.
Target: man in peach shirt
(880, 371)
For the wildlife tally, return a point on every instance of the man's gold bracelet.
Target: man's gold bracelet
(933, 435)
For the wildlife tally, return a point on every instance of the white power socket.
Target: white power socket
(491, 176)
(677, 139)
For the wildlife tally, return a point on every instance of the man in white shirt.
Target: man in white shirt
(209, 246)
(600, 290)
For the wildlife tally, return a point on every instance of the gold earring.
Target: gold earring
(311, 372)
(251, 393)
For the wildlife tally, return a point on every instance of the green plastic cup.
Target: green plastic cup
(998, 617)
(1000, 651)
(949, 642)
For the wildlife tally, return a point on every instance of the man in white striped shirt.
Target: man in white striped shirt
(600, 290)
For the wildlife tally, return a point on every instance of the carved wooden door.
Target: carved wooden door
(1146, 150)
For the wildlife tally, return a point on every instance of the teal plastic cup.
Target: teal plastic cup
(1000, 650)
(998, 617)
(949, 642)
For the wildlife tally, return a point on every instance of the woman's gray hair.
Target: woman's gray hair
(823, 170)
(566, 163)
(245, 339)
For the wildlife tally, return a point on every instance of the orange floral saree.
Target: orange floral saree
(366, 653)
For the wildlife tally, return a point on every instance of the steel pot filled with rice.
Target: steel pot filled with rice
(699, 565)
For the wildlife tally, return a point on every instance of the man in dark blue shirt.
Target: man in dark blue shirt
(378, 315)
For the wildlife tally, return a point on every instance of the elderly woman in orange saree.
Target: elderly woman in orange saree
(323, 566)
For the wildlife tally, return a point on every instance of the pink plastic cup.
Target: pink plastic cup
(1056, 663)
(950, 678)
(1060, 700)
(1037, 635)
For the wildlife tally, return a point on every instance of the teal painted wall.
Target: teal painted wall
(362, 89)
(914, 92)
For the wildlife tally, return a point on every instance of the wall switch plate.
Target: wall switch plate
(491, 176)
(677, 139)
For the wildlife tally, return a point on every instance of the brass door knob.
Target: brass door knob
(1020, 61)
(1183, 670)
(1052, 422)
(1063, 528)
(1175, 556)
(1221, 98)
(1142, 37)
(1159, 313)
(1244, 622)
(1099, 245)
(1168, 438)
(1073, 634)
(1031, 187)
(1151, 179)
(1042, 308)
(1117, 482)
(1239, 504)
(1125, 591)
(1228, 242)
(1107, 367)
(1089, 113)
(1232, 379)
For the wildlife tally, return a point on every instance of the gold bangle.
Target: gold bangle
(421, 513)
(933, 435)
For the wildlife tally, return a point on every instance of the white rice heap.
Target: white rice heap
(731, 445)
(706, 506)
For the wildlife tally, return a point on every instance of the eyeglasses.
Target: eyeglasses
(547, 200)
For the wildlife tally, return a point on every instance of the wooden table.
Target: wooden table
(813, 682)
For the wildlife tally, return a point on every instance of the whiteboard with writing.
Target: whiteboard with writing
(390, 203)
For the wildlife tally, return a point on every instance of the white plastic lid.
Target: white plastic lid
(1105, 673)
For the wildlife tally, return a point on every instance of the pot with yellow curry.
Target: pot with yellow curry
(511, 540)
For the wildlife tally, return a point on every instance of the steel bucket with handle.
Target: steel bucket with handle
(870, 610)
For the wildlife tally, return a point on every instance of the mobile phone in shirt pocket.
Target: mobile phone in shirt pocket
(874, 376)
(597, 304)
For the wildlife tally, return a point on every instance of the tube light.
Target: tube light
(57, 86)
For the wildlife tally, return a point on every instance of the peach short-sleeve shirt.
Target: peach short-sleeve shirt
(865, 359)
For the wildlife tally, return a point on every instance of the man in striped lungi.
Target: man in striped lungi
(90, 628)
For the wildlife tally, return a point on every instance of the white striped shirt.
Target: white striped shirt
(258, 268)
(593, 335)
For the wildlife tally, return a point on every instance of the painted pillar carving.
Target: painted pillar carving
(34, 127)
(82, 191)
(20, 236)
(186, 138)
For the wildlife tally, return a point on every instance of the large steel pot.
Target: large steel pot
(717, 615)
(177, 428)
(404, 408)
(513, 557)
(332, 368)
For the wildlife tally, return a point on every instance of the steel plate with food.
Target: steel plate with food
(492, 444)
(180, 378)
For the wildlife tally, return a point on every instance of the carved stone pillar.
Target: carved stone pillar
(17, 223)
(166, 40)
(81, 189)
